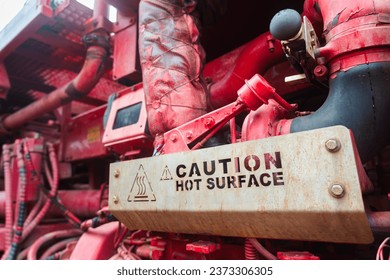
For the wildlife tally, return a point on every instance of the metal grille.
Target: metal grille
(50, 57)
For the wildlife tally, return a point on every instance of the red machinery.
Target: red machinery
(196, 130)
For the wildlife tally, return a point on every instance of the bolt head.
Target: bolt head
(209, 122)
(173, 137)
(189, 135)
(116, 173)
(115, 199)
(333, 145)
(337, 191)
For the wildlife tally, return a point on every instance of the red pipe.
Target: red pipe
(356, 31)
(256, 57)
(100, 8)
(332, 13)
(81, 86)
(83, 203)
(357, 36)
(379, 221)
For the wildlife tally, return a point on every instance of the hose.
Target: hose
(51, 252)
(250, 251)
(37, 245)
(53, 181)
(264, 252)
(21, 202)
(8, 196)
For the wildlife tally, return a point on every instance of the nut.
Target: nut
(337, 191)
(116, 173)
(115, 199)
(333, 145)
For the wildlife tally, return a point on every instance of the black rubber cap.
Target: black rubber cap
(285, 24)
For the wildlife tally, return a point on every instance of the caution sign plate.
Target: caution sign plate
(279, 188)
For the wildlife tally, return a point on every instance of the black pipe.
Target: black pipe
(360, 100)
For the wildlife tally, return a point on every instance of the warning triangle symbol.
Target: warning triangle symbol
(141, 190)
(166, 174)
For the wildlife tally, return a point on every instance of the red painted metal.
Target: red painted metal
(126, 48)
(79, 87)
(97, 244)
(132, 140)
(83, 137)
(252, 95)
(203, 247)
(296, 256)
(230, 71)
(4, 81)
(149, 252)
(356, 33)
(269, 120)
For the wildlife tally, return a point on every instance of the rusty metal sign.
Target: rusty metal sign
(301, 186)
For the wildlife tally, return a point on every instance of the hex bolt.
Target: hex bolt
(173, 138)
(189, 135)
(337, 190)
(333, 145)
(209, 122)
(115, 199)
(116, 173)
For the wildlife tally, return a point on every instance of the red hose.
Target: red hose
(53, 181)
(21, 207)
(35, 210)
(264, 252)
(8, 196)
(36, 246)
(250, 251)
(57, 247)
